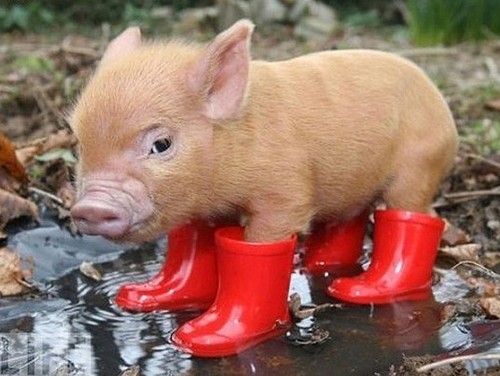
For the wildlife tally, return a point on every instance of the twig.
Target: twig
(460, 197)
(49, 195)
(440, 205)
(482, 356)
(24, 283)
(76, 50)
(467, 194)
(480, 267)
(483, 159)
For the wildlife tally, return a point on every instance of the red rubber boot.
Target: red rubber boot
(331, 248)
(251, 303)
(188, 279)
(404, 249)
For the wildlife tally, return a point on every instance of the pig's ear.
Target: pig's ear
(123, 44)
(221, 74)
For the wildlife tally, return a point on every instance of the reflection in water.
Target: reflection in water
(84, 326)
(409, 325)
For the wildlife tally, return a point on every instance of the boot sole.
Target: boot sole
(210, 351)
(411, 295)
(138, 308)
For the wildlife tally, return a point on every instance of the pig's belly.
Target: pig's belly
(342, 193)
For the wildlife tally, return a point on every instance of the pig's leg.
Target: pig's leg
(251, 302)
(405, 243)
(413, 190)
(278, 219)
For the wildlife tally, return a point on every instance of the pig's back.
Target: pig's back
(349, 113)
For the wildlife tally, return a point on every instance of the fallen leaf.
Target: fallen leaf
(484, 287)
(491, 305)
(132, 371)
(67, 194)
(12, 276)
(89, 270)
(9, 161)
(62, 139)
(65, 154)
(453, 236)
(8, 182)
(447, 312)
(464, 252)
(26, 154)
(57, 179)
(491, 259)
(13, 206)
(494, 104)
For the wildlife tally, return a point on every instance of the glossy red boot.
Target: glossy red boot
(251, 303)
(188, 279)
(404, 250)
(333, 247)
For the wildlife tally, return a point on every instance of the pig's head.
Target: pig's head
(145, 125)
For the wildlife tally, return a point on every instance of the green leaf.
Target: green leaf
(65, 154)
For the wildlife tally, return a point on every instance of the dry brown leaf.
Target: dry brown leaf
(494, 104)
(491, 305)
(12, 276)
(491, 259)
(67, 194)
(484, 287)
(9, 161)
(447, 312)
(8, 182)
(58, 180)
(453, 236)
(13, 206)
(464, 252)
(26, 154)
(61, 139)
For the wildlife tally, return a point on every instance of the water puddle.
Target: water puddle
(75, 326)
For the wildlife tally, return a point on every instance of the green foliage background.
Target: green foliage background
(430, 22)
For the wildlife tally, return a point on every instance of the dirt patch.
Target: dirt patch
(411, 364)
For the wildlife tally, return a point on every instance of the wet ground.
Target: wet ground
(74, 328)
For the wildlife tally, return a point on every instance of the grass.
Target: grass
(446, 22)
(484, 134)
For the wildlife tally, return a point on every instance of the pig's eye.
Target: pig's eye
(160, 146)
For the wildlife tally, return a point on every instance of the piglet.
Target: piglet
(173, 133)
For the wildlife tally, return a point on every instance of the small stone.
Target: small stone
(89, 270)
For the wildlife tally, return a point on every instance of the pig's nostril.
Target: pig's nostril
(94, 213)
(110, 218)
(97, 218)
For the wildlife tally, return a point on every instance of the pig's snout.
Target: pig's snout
(95, 217)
